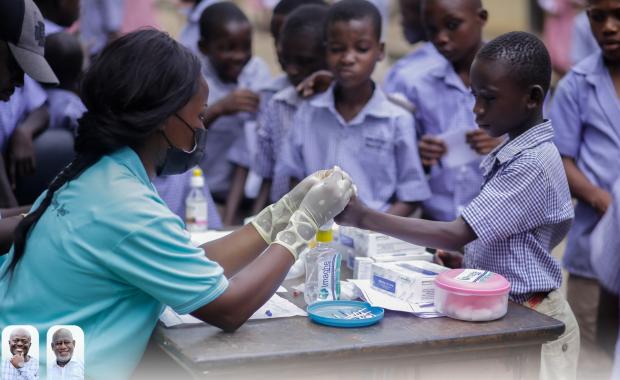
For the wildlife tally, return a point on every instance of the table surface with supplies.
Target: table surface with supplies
(399, 346)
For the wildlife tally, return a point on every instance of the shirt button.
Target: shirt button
(565, 347)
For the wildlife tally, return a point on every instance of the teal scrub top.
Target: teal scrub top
(107, 255)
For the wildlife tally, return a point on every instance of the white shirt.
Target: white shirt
(74, 370)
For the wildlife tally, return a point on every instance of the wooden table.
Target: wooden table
(400, 346)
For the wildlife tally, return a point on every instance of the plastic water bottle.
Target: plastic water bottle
(466, 187)
(196, 203)
(322, 269)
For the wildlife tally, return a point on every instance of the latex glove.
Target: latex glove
(322, 203)
(275, 217)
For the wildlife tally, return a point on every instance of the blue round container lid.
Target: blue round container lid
(345, 313)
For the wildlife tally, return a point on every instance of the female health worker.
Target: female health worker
(101, 250)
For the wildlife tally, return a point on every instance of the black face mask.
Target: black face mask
(177, 160)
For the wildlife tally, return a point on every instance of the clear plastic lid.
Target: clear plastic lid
(473, 281)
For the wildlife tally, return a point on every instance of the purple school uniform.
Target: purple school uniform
(443, 103)
(377, 148)
(407, 68)
(586, 113)
(273, 125)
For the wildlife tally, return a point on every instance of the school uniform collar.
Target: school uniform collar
(597, 75)
(531, 138)
(378, 105)
(129, 158)
(289, 96)
(445, 72)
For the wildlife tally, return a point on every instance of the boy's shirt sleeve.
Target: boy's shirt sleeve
(411, 183)
(159, 259)
(512, 202)
(291, 161)
(33, 94)
(566, 117)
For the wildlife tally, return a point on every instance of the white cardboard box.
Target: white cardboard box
(411, 281)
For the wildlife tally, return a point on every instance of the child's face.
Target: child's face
(502, 104)
(454, 27)
(411, 20)
(605, 22)
(352, 51)
(230, 50)
(301, 56)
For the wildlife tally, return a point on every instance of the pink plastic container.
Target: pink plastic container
(471, 294)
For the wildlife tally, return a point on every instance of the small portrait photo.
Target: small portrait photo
(65, 353)
(20, 353)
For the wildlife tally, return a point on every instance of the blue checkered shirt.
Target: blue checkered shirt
(30, 370)
(272, 127)
(522, 212)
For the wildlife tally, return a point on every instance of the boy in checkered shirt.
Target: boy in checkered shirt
(524, 208)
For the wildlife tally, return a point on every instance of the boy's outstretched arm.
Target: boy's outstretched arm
(450, 236)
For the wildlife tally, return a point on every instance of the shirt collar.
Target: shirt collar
(289, 96)
(592, 67)
(129, 158)
(376, 106)
(71, 363)
(444, 71)
(531, 138)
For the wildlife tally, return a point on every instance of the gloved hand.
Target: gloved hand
(322, 203)
(275, 217)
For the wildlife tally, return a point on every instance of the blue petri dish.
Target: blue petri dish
(345, 313)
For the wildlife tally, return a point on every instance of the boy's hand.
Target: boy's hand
(21, 155)
(238, 101)
(316, 83)
(480, 141)
(353, 214)
(18, 360)
(431, 150)
(451, 260)
(600, 200)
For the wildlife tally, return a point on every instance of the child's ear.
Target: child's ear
(202, 46)
(381, 51)
(536, 97)
(483, 15)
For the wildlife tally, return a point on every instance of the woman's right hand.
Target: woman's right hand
(316, 83)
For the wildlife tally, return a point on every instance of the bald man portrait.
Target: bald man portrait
(65, 367)
(20, 365)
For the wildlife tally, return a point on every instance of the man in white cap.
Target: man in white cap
(20, 365)
(22, 38)
(22, 117)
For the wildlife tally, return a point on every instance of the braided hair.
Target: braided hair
(136, 83)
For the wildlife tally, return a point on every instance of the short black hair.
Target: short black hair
(307, 20)
(216, 15)
(347, 10)
(64, 54)
(284, 7)
(524, 53)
